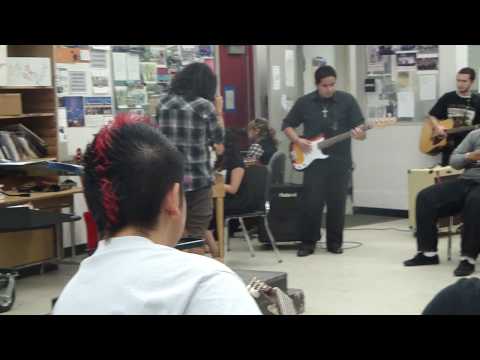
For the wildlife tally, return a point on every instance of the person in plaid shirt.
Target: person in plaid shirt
(264, 144)
(189, 119)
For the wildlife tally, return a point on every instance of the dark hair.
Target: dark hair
(232, 147)
(324, 72)
(194, 81)
(468, 71)
(129, 168)
(266, 132)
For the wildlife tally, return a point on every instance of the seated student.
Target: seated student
(449, 198)
(264, 144)
(132, 185)
(461, 298)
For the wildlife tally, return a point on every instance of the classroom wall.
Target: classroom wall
(382, 162)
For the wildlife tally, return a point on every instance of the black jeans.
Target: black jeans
(325, 182)
(459, 196)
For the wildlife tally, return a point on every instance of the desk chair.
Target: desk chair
(258, 182)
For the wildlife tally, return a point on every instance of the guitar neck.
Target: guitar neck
(342, 137)
(462, 129)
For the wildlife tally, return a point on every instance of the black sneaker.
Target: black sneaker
(421, 260)
(464, 269)
(305, 250)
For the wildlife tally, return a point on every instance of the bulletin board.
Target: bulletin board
(141, 73)
(401, 81)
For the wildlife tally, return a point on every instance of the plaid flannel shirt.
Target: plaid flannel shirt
(191, 127)
(255, 152)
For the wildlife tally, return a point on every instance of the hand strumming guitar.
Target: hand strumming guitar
(359, 134)
(439, 131)
(305, 145)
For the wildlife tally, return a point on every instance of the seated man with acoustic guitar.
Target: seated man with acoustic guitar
(459, 196)
(461, 108)
(328, 112)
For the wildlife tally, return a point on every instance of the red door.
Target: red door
(237, 86)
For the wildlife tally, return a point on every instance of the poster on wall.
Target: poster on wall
(290, 72)
(427, 63)
(98, 111)
(75, 110)
(3, 65)
(149, 72)
(121, 96)
(62, 80)
(276, 78)
(428, 49)
(406, 59)
(137, 97)
(377, 59)
(100, 82)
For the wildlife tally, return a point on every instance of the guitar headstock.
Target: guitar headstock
(382, 122)
(256, 288)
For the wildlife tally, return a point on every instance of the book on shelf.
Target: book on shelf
(19, 143)
(45, 167)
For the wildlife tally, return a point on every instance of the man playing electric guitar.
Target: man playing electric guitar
(462, 106)
(328, 112)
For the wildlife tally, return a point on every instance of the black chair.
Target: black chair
(277, 168)
(258, 182)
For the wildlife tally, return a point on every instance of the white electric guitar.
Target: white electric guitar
(301, 160)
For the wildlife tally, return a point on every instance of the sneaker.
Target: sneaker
(305, 250)
(421, 260)
(464, 269)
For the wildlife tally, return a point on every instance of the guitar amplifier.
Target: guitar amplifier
(285, 214)
(419, 179)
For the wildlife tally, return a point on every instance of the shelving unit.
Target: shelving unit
(39, 102)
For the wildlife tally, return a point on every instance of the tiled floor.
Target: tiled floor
(369, 279)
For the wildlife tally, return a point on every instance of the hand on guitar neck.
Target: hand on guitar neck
(474, 156)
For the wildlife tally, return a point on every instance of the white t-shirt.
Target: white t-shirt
(134, 276)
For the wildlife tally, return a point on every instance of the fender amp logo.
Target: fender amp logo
(285, 195)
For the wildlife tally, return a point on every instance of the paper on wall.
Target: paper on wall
(62, 117)
(276, 78)
(3, 65)
(85, 55)
(428, 87)
(406, 104)
(290, 68)
(62, 80)
(98, 59)
(230, 99)
(133, 67)
(98, 111)
(120, 66)
(100, 82)
(78, 79)
(29, 71)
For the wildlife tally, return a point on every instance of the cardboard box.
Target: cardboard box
(10, 104)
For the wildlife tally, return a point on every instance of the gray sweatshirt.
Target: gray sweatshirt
(458, 161)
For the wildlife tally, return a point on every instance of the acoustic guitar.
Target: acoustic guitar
(431, 144)
(302, 160)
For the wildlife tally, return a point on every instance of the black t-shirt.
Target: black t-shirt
(329, 117)
(451, 106)
(269, 149)
(464, 110)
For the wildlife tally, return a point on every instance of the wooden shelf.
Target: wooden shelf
(24, 116)
(26, 87)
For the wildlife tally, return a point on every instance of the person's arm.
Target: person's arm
(222, 294)
(357, 119)
(219, 111)
(236, 179)
(215, 132)
(464, 154)
(293, 120)
(439, 111)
